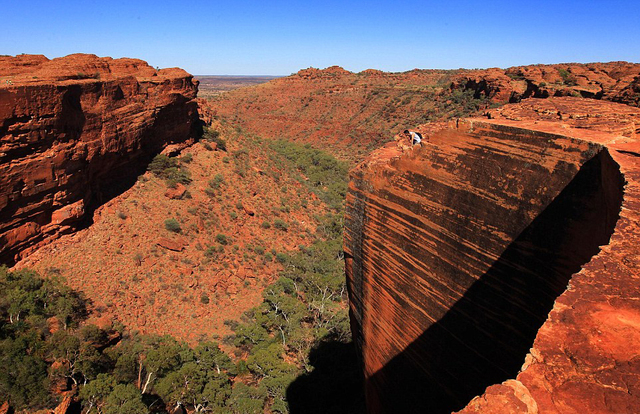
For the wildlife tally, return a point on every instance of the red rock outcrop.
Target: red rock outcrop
(613, 81)
(72, 129)
(459, 254)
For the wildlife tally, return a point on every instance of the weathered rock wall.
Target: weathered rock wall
(72, 129)
(457, 251)
(612, 81)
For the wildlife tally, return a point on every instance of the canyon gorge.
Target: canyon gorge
(493, 268)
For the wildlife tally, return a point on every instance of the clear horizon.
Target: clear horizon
(279, 38)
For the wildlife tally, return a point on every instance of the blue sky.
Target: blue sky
(281, 37)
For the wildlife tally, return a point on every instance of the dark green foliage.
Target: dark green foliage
(204, 298)
(462, 103)
(266, 225)
(95, 393)
(222, 239)
(281, 257)
(247, 400)
(327, 177)
(170, 169)
(213, 251)
(26, 302)
(213, 135)
(172, 225)
(214, 185)
(280, 224)
(124, 399)
(567, 77)
(110, 378)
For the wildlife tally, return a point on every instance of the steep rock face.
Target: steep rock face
(456, 252)
(609, 81)
(72, 129)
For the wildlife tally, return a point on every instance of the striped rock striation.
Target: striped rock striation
(501, 242)
(74, 130)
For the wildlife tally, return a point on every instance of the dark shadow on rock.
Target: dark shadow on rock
(483, 339)
(334, 386)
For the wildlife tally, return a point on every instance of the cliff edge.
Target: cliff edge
(499, 260)
(74, 130)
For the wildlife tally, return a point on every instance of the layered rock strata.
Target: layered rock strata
(612, 81)
(75, 129)
(463, 252)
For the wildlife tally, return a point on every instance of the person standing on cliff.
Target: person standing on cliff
(416, 137)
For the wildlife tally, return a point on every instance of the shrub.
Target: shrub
(268, 257)
(222, 239)
(213, 135)
(172, 225)
(216, 181)
(567, 77)
(170, 170)
(212, 251)
(204, 298)
(266, 225)
(280, 225)
(281, 257)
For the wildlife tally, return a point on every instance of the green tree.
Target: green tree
(124, 399)
(246, 400)
(95, 393)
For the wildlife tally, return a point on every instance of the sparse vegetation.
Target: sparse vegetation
(214, 185)
(172, 225)
(567, 77)
(170, 169)
(280, 224)
(213, 135)
(326, 175)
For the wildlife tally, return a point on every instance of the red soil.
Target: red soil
(153, 280)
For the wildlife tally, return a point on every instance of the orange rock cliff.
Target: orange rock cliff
(500, 261)
(74, 128)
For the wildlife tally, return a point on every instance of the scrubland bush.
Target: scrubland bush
(172, 225)
(280, 224)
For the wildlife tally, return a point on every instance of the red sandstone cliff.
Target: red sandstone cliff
(73, 128)
(612, 81)
(459, 254)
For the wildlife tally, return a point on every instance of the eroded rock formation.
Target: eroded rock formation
(72, 129)
(498, 243)
(613, 81)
